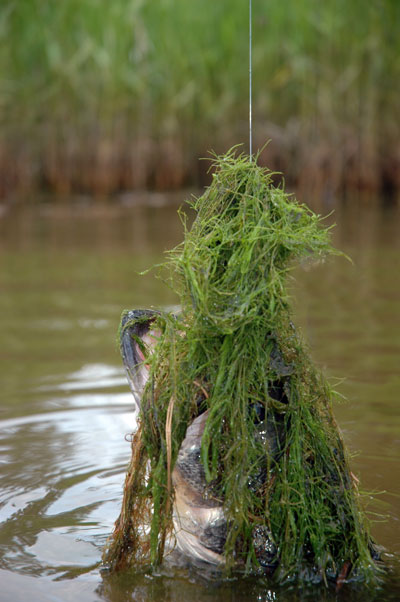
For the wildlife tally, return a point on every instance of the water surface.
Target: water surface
(66, 273)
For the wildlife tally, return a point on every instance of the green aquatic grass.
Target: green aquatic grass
(235, 341)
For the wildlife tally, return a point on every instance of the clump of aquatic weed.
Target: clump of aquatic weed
(234, 350)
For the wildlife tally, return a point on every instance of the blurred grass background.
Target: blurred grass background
(99, 96)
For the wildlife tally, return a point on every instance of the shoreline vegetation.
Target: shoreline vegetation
(100, 98)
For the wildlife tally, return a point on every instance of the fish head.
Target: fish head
(200, 525)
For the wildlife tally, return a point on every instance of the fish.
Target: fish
(200, 525)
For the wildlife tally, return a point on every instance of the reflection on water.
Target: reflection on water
(64, 468)
(66, 274)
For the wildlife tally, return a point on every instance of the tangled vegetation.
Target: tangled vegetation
(234, 351)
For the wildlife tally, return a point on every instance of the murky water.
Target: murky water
(65, 275)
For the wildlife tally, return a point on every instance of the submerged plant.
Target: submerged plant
(234, 351)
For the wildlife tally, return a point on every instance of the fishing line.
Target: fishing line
(250, 82)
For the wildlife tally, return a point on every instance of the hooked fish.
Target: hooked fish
(200, 526)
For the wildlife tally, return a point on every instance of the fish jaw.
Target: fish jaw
(137, 325)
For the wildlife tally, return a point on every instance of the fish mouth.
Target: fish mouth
(137, 340)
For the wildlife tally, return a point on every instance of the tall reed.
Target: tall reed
(109, 95)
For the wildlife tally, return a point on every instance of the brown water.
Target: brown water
(66, 273)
